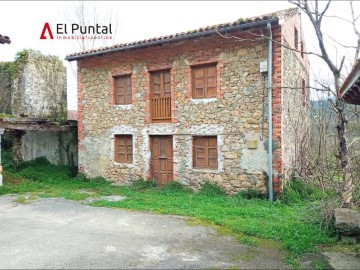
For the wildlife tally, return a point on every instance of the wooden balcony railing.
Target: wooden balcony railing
(161, 109)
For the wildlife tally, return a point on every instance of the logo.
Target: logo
(76, 31)
(46, 28)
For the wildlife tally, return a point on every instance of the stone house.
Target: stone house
(193, 106)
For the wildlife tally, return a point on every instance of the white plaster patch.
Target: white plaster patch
(202, 100)
(254, 160)
(95, 156)
(123, 107)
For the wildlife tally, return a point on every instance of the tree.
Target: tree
(90, 13)
(316, 14)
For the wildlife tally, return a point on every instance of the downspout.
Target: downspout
(270, 148)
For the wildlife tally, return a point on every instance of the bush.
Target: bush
(322, 213)
(34, 163)
(210, 189)
(175, 187)
(250, 194)
(298, 191)
(142, 184)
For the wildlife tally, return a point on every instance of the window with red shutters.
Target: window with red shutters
(123, 92)
(205, 154)
(123, 149)
(204, 81)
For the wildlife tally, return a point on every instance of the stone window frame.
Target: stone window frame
(205, 130)
(118, 131)
(126, 138)
(207, 155)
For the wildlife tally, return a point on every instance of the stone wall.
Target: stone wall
(38, 86)
(295, 101)
(5, 88)
(234, 116)
(58, 147)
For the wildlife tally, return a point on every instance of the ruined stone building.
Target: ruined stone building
(192, 107)
(33, 108)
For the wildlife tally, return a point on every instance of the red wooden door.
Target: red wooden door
(161, 159)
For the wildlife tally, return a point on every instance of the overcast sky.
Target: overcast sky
(24, 21)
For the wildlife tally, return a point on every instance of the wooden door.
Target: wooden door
(161, 159)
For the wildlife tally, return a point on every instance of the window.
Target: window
(303, 91)
(205, 152)
(123, 92)
(204, 81)
(296, 38)
(161, 96)
(302, 49)
(123, 149)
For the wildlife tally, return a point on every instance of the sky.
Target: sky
(23, 23)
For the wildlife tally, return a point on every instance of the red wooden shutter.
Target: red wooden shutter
(204, 81)
(199, 83)
(205, 152)
(123, 149)
(123, 90)
(211, 81)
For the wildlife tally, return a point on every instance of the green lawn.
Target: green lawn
(255, 222)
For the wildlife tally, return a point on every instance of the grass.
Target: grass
(253, 222)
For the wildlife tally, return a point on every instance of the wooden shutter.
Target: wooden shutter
(204, 81)
(123, 90)
(211, 81)
(199, 82)
(123, 149)
(205, 152)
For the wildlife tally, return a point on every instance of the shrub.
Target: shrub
(322, 213)
(175, 187)
(142, 184)
(298, 191)
(251, 194)
(210, 189)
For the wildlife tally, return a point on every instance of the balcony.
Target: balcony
(161, 109)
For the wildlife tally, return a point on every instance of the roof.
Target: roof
(241, 24)
(4, 39)
(350, 90)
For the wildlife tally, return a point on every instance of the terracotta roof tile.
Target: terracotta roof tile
(282, 14)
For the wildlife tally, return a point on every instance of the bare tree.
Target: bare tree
(326, 44)
(91, 13)
(316, 14)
